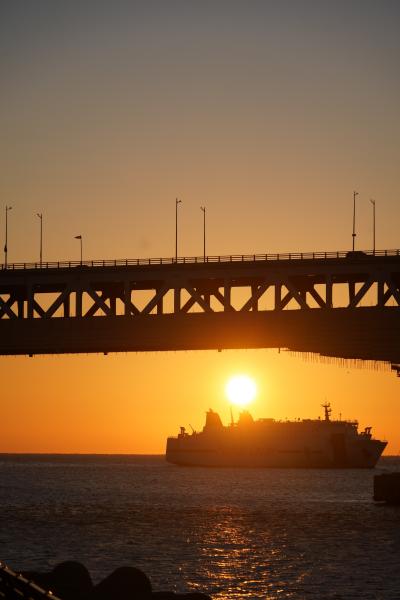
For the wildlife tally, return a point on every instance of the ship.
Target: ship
(301, 443)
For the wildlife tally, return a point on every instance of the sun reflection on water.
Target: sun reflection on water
(231, 563)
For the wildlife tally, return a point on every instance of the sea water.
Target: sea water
(233, 533)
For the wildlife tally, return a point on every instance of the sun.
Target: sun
(241, 390)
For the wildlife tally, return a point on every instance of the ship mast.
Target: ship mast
(328, 410)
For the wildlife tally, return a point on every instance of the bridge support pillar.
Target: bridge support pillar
(113, 305)
(227, 296)
(160, 306)
(254, 290)
(127, 298)
(278, 296)
(328, 292)
(207, 298)
(20, 308)
(67, 307)
(78, 305)
(381, 293)
(352, 292)
(30, 300)
(177, 300)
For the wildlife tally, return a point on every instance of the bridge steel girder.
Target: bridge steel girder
(98, 309)
(366, 333)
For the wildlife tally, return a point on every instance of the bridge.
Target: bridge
(339, 304)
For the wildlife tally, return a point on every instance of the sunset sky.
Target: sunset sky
(268, 113)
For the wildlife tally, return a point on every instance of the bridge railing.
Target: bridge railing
(229, 258)
(14, 586)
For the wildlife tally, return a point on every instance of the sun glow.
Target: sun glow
(241, 390)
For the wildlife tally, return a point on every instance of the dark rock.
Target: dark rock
(125, 583)
(69, 580)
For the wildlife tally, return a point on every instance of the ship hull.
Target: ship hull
(362, 454)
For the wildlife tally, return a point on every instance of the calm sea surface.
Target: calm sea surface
(234, 533)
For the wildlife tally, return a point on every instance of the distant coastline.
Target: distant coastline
(66, 457)
(82, 457)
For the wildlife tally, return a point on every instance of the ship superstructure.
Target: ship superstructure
(316, 443)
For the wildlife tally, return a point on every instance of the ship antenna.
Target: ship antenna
(232, 421)
(328, 410)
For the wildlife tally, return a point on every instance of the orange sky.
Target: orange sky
(269, 114)
(131, 403)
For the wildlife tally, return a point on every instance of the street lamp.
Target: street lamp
(354, 218)
(79, 237)
(373, 222)
(176, 228)
(203, 209)
(40, 216)
(5, 244)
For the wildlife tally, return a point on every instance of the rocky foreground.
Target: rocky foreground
(72, 581)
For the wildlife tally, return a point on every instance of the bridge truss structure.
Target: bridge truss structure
(344, 304)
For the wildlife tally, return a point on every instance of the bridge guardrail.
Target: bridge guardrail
(16, 586)
(129, 262)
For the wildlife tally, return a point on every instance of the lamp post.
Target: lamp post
(79, 237)
(176, 228)
(6, 240)
(354, 218)
(203, 209)
(373, 223)
(40, 216)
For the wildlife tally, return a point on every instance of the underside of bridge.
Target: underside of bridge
(368, 333)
